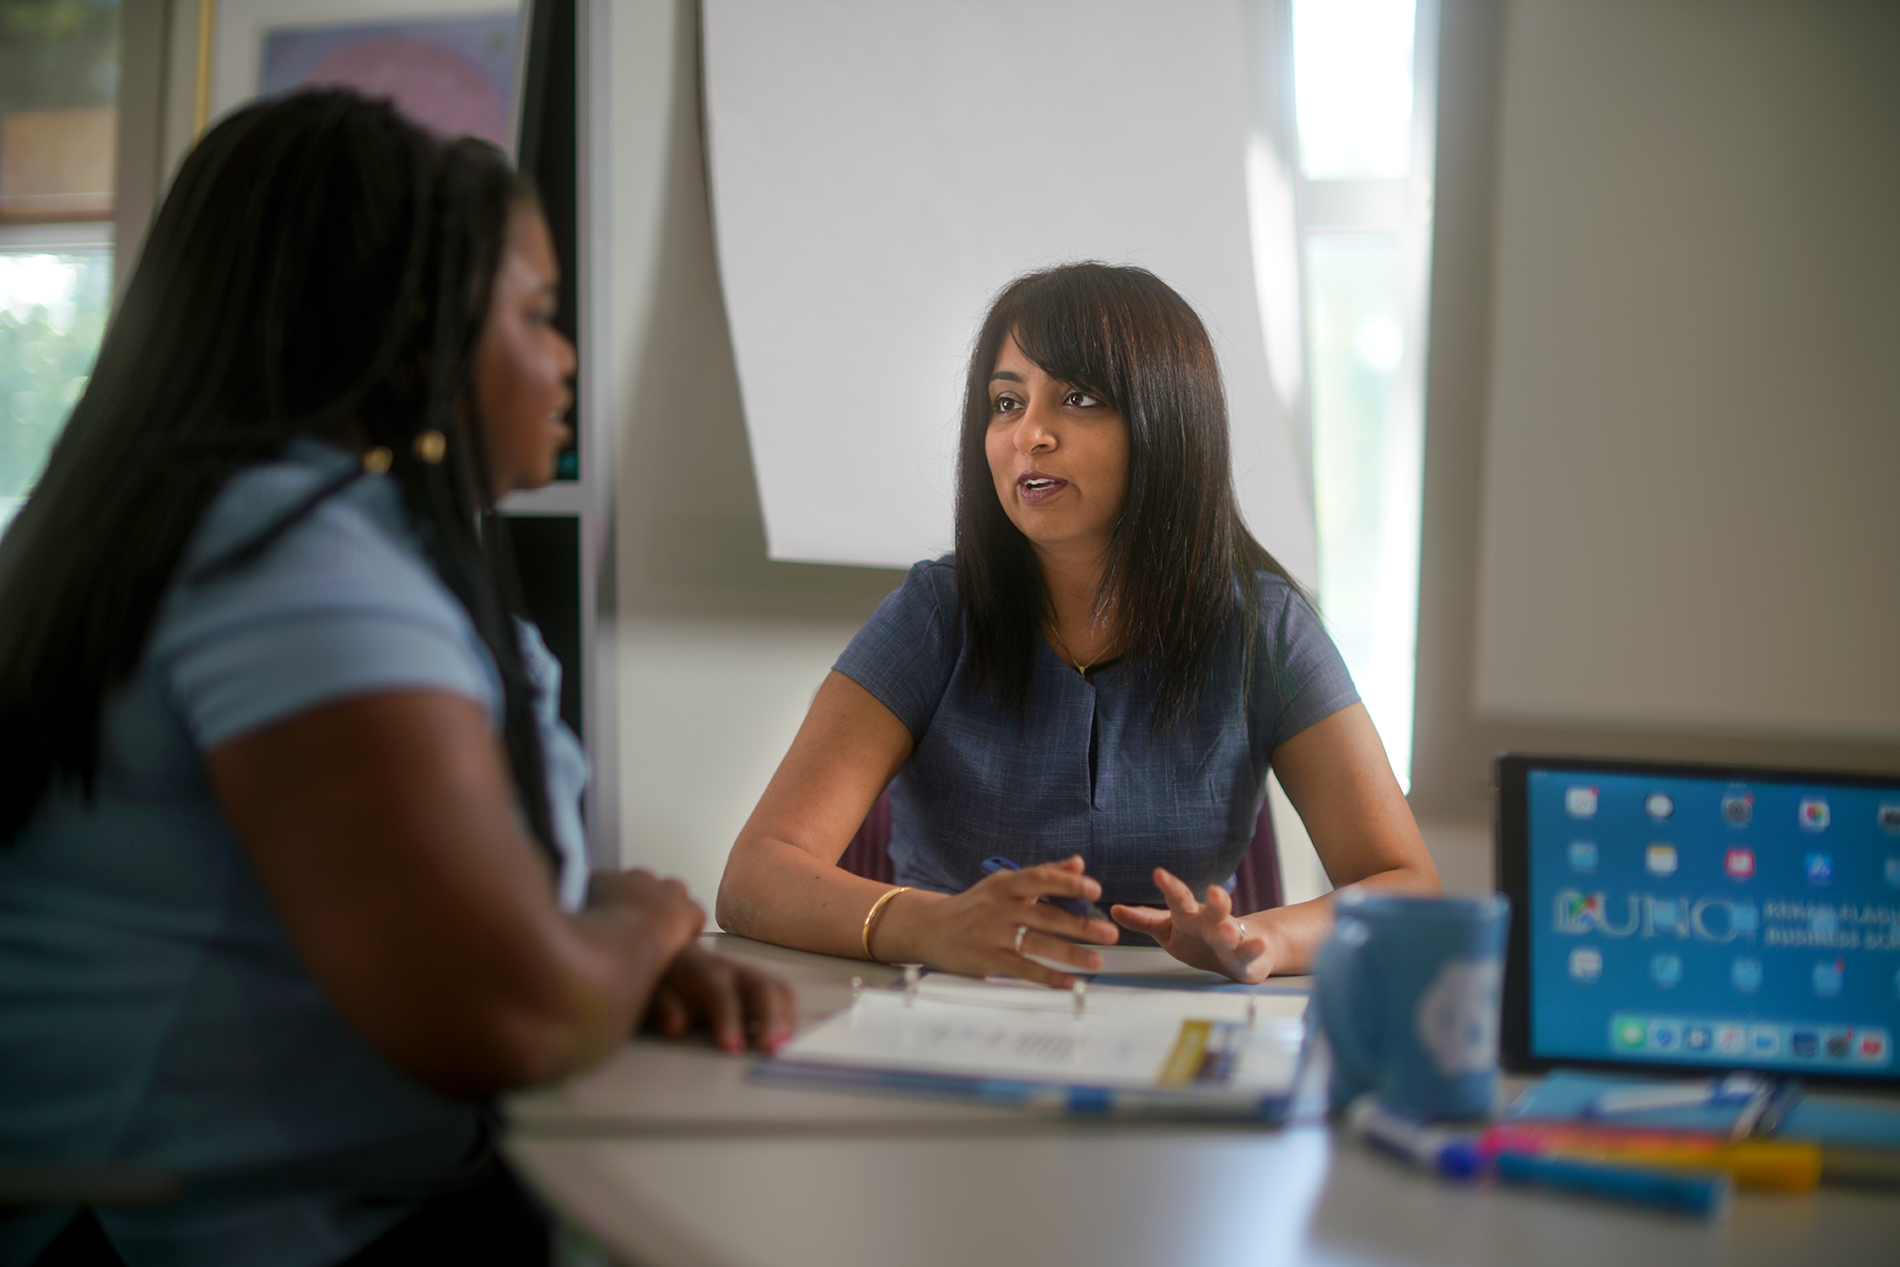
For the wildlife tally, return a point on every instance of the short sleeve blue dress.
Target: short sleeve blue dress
(1080, 771)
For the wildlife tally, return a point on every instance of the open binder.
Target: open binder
(1120, 1049)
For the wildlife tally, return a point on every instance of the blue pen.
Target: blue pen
(1073, 905)
(1786, 1095)
(1746, 1091)
(1704, 1193)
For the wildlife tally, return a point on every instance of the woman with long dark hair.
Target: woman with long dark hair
(291, 876)
(1094, 685)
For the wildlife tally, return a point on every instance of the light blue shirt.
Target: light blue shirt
(155, 1012)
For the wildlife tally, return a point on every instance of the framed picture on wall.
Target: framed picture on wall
(455, 66)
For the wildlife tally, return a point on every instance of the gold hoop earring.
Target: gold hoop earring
(430, 446)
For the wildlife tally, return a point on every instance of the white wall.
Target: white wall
(1710, 137)
(1689, 500)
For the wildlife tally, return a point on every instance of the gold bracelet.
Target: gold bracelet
(870, 918)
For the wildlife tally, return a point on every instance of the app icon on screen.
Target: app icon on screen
(1630, 1032)
(1665, 969)
(1661, 859)
(1583, 855)
(1764, 1040)
(1581, 802)
(1745, 974)
(1665, 1036)
(1697, 1037)
(1738, 808)
(1889, 816)
(1827, 977)
(1813, 814)
(1586, 963)
(1873, 1046)
(1739, 862)
(1804, 1042)
(1744, 919)
(1658, 805)
(1819, 868)
(1730, 1039)
(1840, 1044)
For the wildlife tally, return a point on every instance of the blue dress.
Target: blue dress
(1080, 772)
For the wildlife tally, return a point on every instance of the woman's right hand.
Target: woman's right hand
(975, 932)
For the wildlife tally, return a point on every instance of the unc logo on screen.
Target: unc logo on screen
(1711, 919)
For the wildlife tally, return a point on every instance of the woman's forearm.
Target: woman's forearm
(383, 830)
(774, 891)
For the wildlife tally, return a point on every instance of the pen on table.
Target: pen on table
(1745, 1089)
(1786, 1093)
(1454, 1154)
(1704, 1193)
(1073, 905)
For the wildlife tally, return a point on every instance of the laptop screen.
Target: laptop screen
(1688, 917)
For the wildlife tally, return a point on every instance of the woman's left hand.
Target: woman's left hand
(1203, 934)
(742, 1006)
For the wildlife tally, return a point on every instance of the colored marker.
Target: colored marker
(1453, 1154)
(1706, 1194)
(1761, 1165)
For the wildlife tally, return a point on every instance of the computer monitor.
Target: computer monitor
(1684, 918)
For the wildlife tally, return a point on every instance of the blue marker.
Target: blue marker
(1704, 1193)
(1453, 1154)
(1073, 905)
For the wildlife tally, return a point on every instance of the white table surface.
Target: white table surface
(669, 1155)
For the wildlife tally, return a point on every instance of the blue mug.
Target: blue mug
(1407, 990)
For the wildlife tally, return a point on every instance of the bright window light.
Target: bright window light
(1366, 465)
(1353, 87)
(1365, 195)
(52, 316)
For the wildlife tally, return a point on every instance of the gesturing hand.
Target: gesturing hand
(1204, 934)
(740, 1004)
(997, 923)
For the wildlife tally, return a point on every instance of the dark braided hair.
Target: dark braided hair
(320, 267)
(1182, 568)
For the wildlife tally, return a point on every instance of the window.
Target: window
(59, 73)
(1363, 92)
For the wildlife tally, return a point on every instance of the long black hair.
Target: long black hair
(1182, 566)
(319, 267)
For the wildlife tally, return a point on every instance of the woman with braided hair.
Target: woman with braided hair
(291, 876)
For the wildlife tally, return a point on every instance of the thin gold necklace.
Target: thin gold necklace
(1070, 656)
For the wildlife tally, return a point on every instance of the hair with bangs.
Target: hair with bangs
(319, 267)
(1182, 566)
